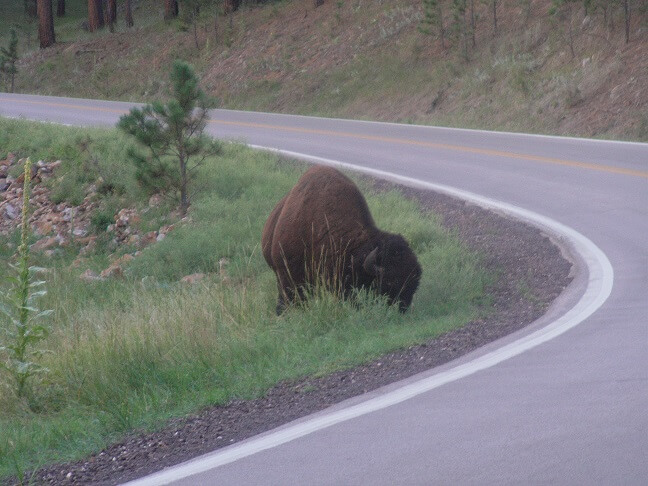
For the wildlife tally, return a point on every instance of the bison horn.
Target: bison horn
(369, 264)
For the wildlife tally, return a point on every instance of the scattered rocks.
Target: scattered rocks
(60, 224)
(113, 271)
(90, 276)
(45, 243)
(63, 220)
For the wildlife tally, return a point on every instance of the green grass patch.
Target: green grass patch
(129, 354)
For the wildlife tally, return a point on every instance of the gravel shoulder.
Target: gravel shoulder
(531, 273)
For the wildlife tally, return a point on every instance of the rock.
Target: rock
(10, 211)
(80, 232)
(123, 259)
(193, 278)
(134, 240)
(45, 243)
(222, 269)
(90, 276)
(113, 271)
(78, 262)
(126, 217)
(160, 237)
(43, 228)
(148, 239)
(155, 200)
(89, 246)
(167, 229)
(69, 214)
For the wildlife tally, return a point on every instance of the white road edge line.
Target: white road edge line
(599, 287)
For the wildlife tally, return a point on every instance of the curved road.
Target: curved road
(572, 408)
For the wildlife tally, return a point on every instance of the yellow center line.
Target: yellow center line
(378, 138)
(443, 146)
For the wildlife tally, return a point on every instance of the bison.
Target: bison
(322, 232)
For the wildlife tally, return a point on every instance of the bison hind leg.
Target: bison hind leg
(288, 296)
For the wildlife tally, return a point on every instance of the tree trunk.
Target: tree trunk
(232, 5)
(112, 11)
(60, 8)
(442, 31)
(129, 14)
(95, 15)
(170, 9)
(184, 197)
(195, 29)
(45, 23)
(626, 14)
(472, 22)
(111, 14)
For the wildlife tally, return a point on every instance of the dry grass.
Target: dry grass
(366, 59)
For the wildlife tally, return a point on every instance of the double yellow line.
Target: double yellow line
(393, 140)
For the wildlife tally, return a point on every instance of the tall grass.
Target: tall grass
(131, 353)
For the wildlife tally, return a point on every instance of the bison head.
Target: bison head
(395, 270)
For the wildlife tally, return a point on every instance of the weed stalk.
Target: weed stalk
(23, 329)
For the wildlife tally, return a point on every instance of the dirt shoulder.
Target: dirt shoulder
(530, 272)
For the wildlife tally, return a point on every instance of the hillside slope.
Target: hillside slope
(368, 59)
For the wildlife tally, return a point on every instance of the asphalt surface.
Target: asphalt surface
(571, 409)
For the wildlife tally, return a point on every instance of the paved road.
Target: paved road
(571, 410)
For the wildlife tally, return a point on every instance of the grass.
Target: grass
(129, 354)
(355, 59)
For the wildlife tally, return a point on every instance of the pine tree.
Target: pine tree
(111, 14)
(129, 14)
(564, 10)
(494, 10)
(8, 60)
(173, 135)
(45, 23)
(459, 27)
(432, 20)
(189, 14)
(170, 9)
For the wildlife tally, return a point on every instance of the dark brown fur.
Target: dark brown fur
(322, 232)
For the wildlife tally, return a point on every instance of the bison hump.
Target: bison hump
(327, 192)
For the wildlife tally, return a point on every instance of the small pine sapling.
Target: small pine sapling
(173, 135)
